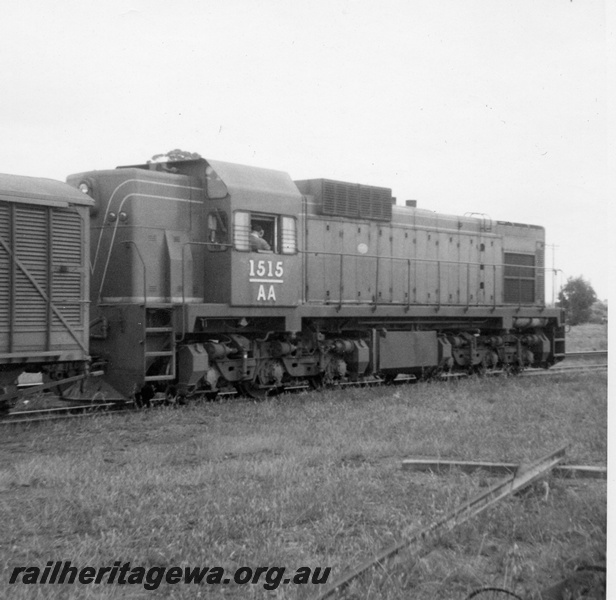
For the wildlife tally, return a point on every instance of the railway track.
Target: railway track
(64, 412)
(558, 370)
(592, 354)
(88, 409)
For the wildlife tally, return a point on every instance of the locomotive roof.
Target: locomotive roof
(243, 177)
(37, 190)
(236, 177)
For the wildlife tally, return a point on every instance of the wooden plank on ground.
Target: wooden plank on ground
(440, 466)
(523, 477)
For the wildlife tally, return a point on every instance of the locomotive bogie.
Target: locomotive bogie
(258, 365)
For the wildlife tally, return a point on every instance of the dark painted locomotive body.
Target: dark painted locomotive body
(352, 287)
(181, 298)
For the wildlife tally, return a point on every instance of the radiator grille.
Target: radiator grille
(341, 199)
(519, 285)
(375, 203)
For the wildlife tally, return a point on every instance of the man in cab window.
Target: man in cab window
(257, 243)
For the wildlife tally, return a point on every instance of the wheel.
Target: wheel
(251, 390)
(316, 382)
(389, 378)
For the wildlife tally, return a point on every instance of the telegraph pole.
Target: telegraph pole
(553, 246)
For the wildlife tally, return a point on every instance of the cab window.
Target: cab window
(264, 233)
(241, 231)
(288, 235)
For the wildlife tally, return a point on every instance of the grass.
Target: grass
(587, 337)
(307, 480)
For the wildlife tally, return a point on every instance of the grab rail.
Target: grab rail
(470, 267)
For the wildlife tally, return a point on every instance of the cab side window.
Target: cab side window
(241, 231)
(288, 235)
(264, 233)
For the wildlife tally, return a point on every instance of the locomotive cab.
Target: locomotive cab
(259, 265)
(172, 260)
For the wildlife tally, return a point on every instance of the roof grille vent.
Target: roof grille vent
(341, 199)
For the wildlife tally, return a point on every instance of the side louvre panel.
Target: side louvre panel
(5, 265)
(67, 260)
(30, 245)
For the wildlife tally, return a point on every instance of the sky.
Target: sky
(495, 107)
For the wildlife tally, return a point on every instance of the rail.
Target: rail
(38, 387)
(22, 417)
(588, 354)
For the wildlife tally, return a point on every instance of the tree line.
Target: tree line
(580, 302)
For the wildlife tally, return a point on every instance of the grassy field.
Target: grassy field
(587, 337)
(307, 480)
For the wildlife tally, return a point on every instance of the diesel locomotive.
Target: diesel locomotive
(208, 276)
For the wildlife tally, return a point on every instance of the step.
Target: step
(155, 330)
(161, 353)
(163, 305)
(159, 378)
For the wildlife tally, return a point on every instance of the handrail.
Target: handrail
(494, 295)
(341, 278)
(184, 282)
(376, 285)
(145, 301)
(437, 262)
(408, 288)
(431, 260)
(468, 286)
(145, 288)
(375, 300)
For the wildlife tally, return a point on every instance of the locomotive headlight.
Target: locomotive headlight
(84, 187)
